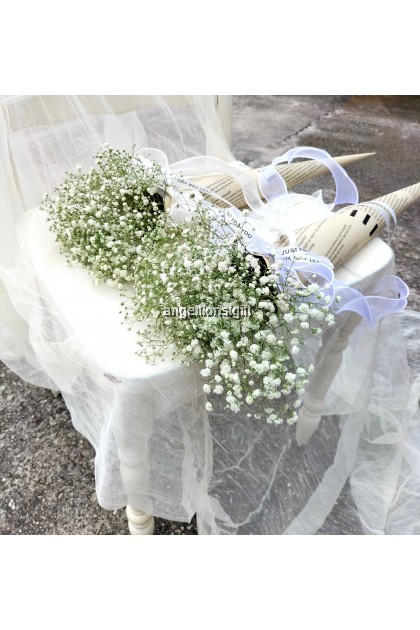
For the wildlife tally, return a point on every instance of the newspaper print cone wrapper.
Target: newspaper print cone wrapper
(343, 233)
(231, 185)
(229, 188)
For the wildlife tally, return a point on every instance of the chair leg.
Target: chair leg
(134, 478)
(139, 523)
(327, 363)
(134, 416)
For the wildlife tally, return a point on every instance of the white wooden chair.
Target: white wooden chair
(93, 313)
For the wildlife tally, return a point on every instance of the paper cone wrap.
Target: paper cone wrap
(343, 233)
(293, 174)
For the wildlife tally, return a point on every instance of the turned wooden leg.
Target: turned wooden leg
(134, 413)
(327, 363)
(135, 479)
(139, 523)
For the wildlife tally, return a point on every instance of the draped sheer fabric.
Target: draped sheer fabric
(361, 471)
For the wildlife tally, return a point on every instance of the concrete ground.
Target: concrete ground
(46, 467)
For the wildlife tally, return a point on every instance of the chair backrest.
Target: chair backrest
(49, 135)
(26, 111)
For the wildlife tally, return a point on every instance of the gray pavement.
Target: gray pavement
(46, 467)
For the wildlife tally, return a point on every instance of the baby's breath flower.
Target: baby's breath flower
(246, 359)
(98, 220)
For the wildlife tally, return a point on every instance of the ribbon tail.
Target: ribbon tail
(373, 307)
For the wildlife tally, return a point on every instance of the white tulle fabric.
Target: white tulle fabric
(156, 448)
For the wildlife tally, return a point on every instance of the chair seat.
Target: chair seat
(368, 261)
(93, 311)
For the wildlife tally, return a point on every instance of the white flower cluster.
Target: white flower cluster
(249, 361)
(101, 218)
(111, 220)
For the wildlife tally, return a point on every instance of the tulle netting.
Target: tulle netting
(156, 447)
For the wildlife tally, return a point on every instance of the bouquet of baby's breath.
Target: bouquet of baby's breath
(209, 301)
(101, 218)
(198, 291)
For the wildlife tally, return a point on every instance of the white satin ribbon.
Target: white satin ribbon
(205, 165)
(389, 295)
(274, 187)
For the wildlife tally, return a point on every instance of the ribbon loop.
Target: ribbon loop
(272, 185)
(205, 164)
(156, 155)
